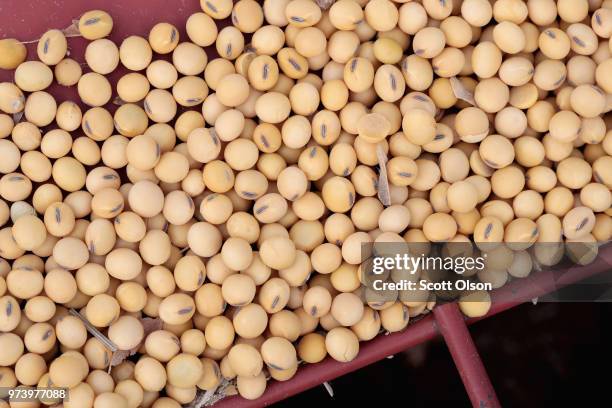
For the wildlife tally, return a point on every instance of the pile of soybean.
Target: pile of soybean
(228, 197)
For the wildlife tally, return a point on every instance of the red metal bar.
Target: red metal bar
(28, 20)
(451, 324)
(512, 294)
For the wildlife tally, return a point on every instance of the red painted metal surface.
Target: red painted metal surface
(452, 326)
(27, 20)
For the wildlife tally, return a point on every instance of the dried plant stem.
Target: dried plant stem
(383, 182)
(461, 92)
(95, 332)
(210, 397)
(150, 325)
(69, 32)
